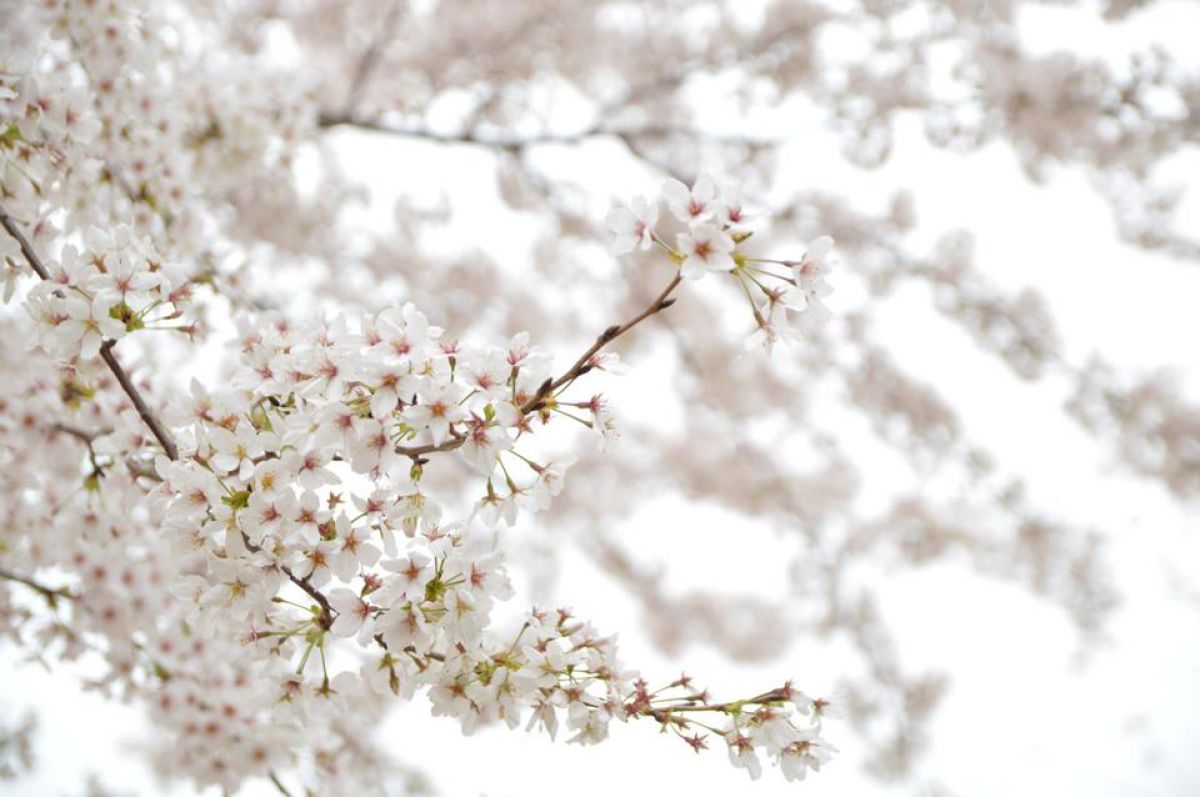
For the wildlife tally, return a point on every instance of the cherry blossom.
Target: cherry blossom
(632, 227)
(257, 557)
(692, 205)
(705, 249)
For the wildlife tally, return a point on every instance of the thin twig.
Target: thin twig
(736, 705)
(581, 366)
(759, 51)
(49, 593)
(326, 619)
(80, 434)
(278, 785)
(26, 248)
(327, 612)
(106, 354)
(519, 143)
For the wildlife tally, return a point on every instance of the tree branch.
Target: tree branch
(147, 416)
(519, 143)
(757, 51)
(278, 784)
(106, 354)
(314, 593)
(49, 593)
(31, 257)
(581, 366)
(79, 434)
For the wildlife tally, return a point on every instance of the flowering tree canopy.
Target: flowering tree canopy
(262, 458)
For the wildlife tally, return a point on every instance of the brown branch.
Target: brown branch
(31, 257)
(511, 143)
(454, 442)
(80, 434)
(147, 416)
(581, 366)
(326, 619)
(765, 699)
(757, 51)
(49, 593)
(106, 354)
(520, 143)
(87, 438)
(278, 784)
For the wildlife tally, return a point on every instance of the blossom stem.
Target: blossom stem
(575, 418)
(767, 273)
(629, 135)
(532, 465)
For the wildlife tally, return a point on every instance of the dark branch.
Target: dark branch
(106, 354)
(31, 257)
(515, 144)
(147, 416)
(51, 594)
(326, 610)
(581, 366)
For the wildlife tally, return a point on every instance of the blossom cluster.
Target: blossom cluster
(266, 558)
(302, 486)
(784, 296)
(312, 571)
(106, 121)
(116, 285)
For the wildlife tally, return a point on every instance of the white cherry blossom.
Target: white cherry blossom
(705, 249)
(692, 205)
(633, 227)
